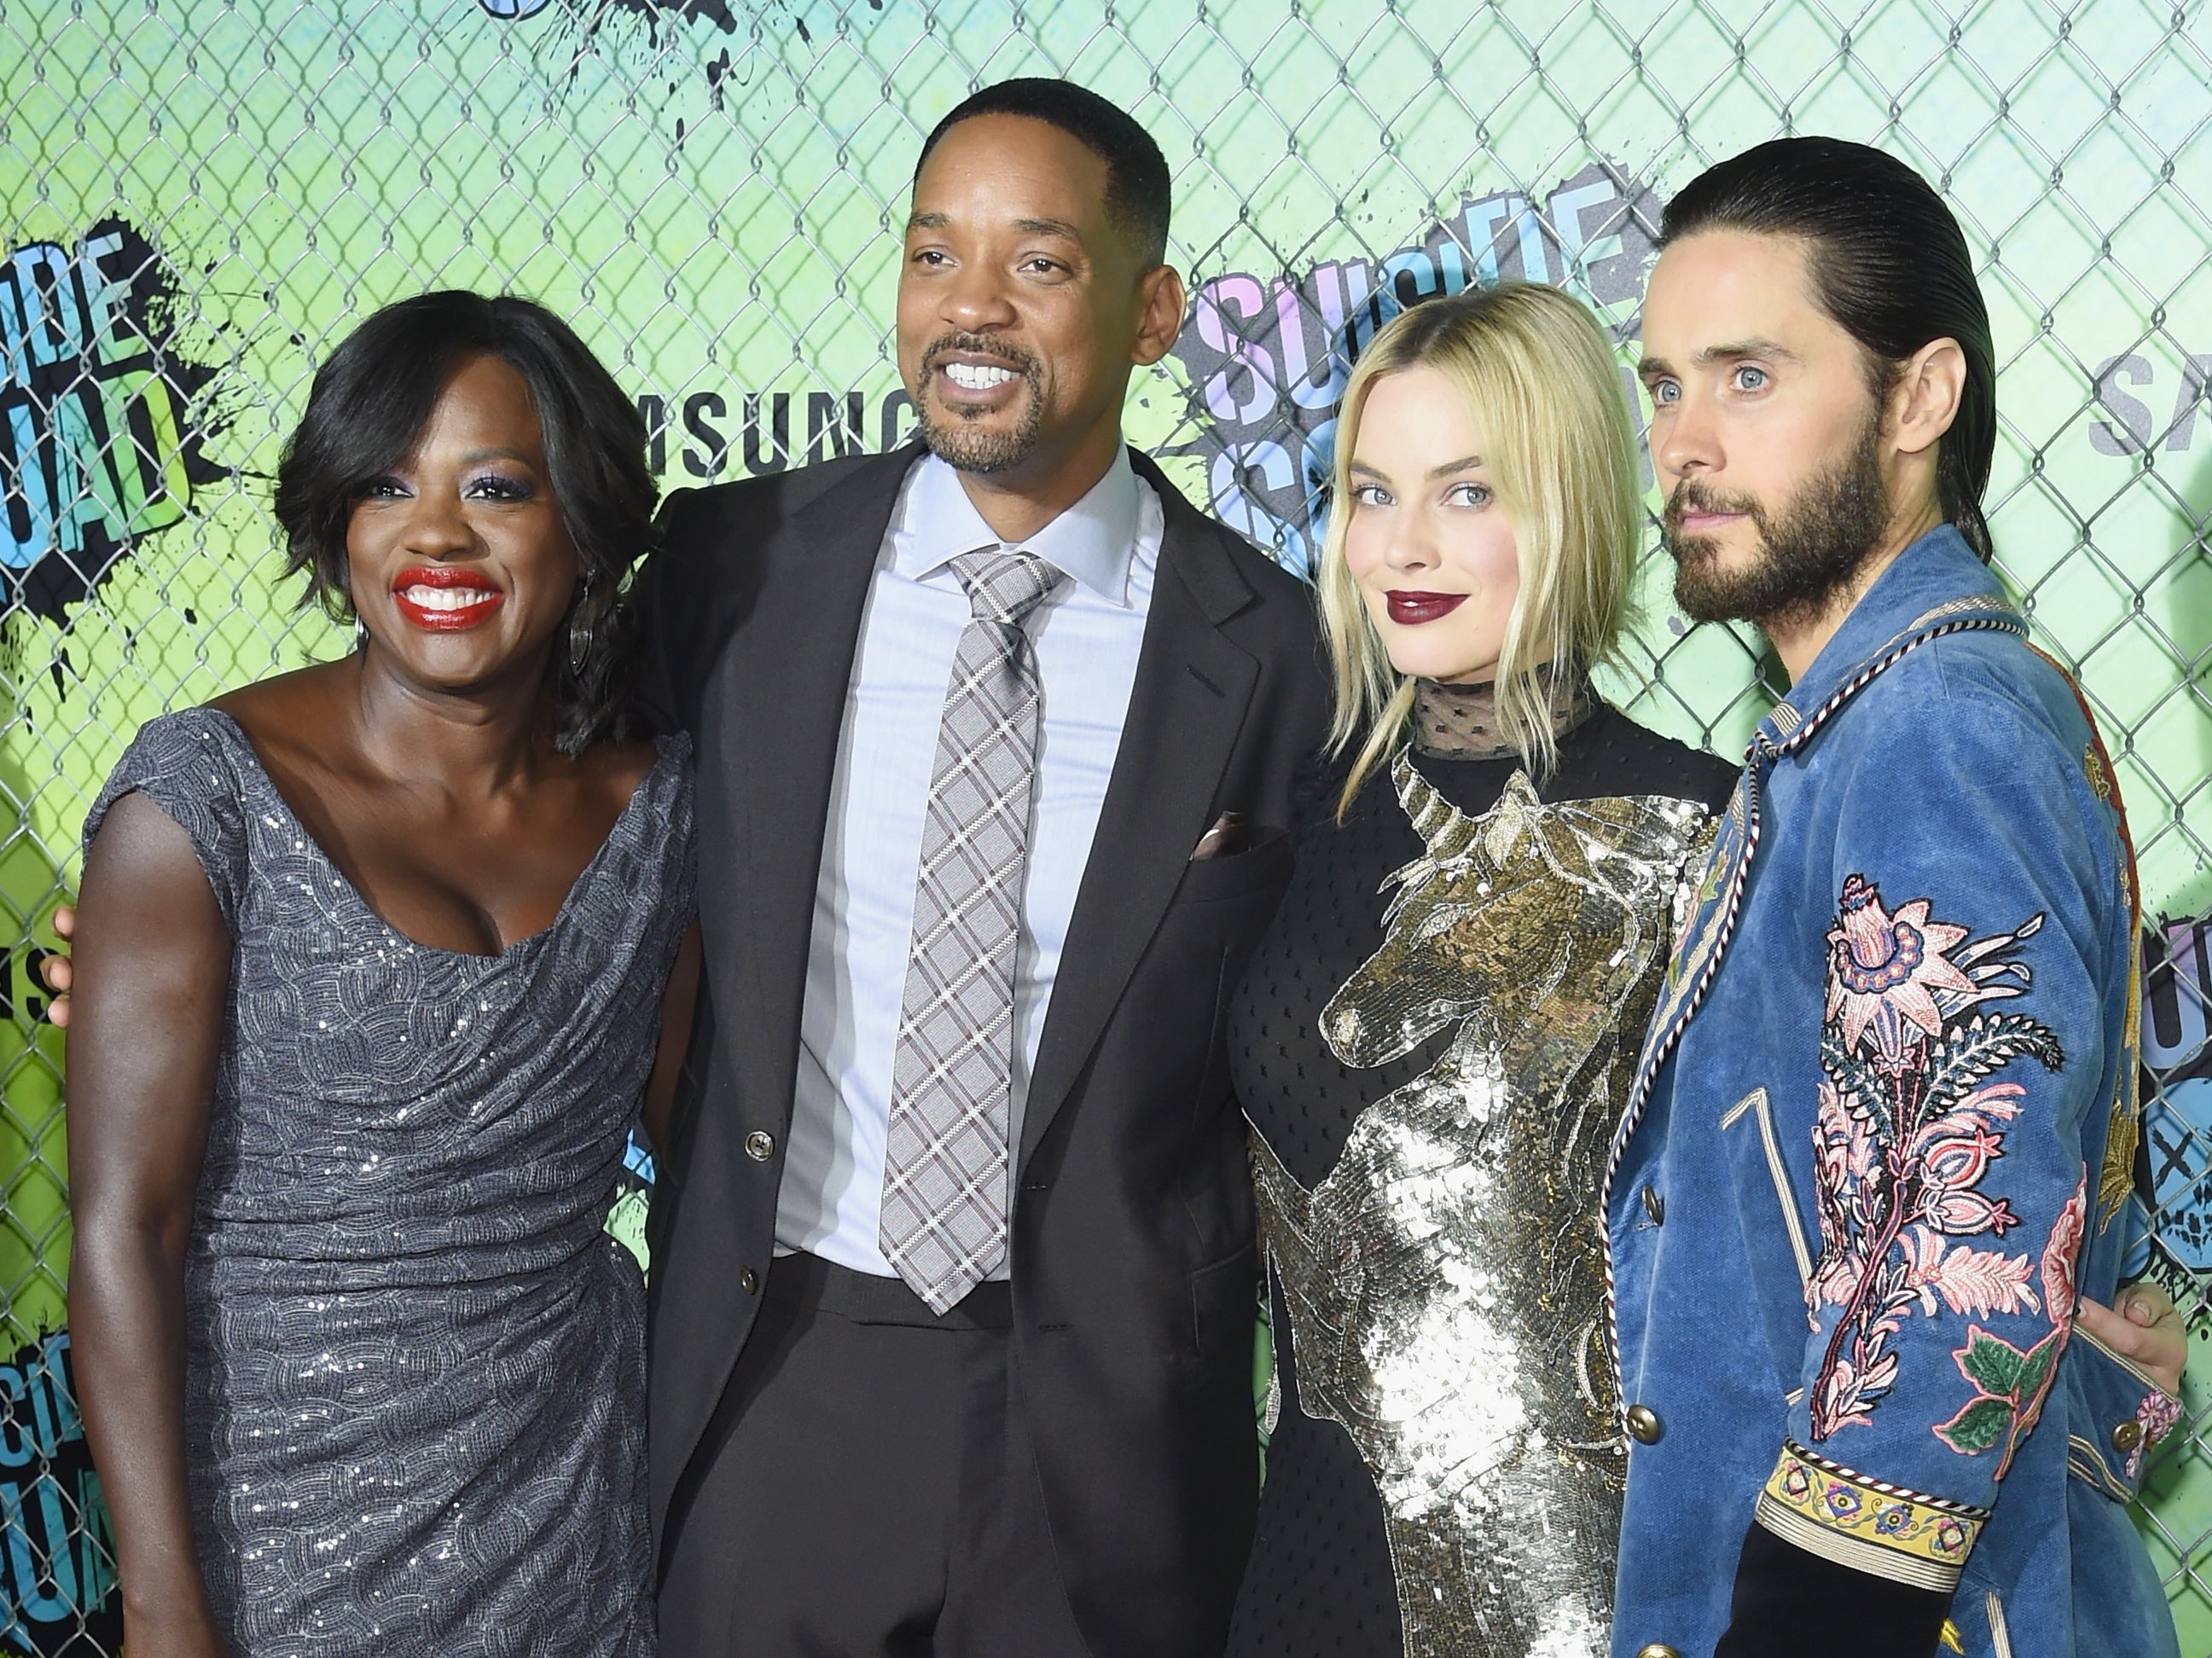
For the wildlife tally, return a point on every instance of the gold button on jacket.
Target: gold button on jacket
(1644, 1425)
(2127, 1436)
(1656, 1649)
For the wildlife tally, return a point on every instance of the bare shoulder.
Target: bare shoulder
(618, 769)
(273, 712)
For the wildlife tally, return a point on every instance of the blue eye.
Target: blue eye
(1664, 393)
(1370, 494)
(1471, 495)
(1749, 378)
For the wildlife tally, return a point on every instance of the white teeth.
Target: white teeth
(977, 377)
(446, 599)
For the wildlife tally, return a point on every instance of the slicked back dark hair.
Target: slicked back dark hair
(1139, 196)
(374, 394)
(1889, 264)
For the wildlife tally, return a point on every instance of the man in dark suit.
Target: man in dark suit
(954, 1274)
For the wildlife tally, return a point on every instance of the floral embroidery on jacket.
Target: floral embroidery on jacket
(1907, 1126)
(2010, 1385)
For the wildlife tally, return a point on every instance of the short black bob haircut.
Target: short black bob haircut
(1138, 195)
(370, 401)
(1889, 264)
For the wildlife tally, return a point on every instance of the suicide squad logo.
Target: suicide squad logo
(1267, 357)
(99, 443)
(2177, 1050)
(57, 1596)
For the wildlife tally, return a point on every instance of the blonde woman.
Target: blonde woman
(1433, 1041)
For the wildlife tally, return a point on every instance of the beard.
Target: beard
(1805, 557)
(960, 442)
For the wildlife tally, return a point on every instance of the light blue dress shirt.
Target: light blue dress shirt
(1087, 634)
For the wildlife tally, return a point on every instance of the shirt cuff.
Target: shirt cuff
(1876, 1529)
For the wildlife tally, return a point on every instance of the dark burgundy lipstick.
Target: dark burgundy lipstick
(1409, 609)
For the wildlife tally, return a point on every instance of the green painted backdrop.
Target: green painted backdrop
(197, 200)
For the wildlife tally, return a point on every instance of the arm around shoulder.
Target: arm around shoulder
(693, 582)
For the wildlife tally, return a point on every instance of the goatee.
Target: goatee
(959, 442)
(1805, 558)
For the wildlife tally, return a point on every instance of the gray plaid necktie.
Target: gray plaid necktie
(943, 1218)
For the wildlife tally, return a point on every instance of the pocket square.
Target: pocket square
(1228, 836)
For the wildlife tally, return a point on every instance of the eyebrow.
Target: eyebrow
(476, 455)
(1449, 468)
(1732, 351)
(1059, 227)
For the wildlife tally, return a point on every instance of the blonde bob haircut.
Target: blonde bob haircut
(1541, 383)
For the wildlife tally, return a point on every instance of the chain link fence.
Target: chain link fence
(199, 200)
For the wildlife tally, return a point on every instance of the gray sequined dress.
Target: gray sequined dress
(415, 1380)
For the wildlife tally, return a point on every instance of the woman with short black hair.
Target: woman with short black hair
(371, 957)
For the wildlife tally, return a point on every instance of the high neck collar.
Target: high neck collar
(1459, 722)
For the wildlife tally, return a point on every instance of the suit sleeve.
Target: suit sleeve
(665, 602)
(1966, 1070)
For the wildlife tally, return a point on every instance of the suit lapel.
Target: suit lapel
(1187, 704)
(789, 675)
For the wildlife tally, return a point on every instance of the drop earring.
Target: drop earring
(360, 635)
(579, 632)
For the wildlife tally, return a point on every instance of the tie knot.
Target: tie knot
(1003, 586)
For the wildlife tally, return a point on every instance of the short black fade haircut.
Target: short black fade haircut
(370, 401)
(1139, 196)
(1889, 264)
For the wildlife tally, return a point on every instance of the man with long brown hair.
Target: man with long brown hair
(1882, 1138)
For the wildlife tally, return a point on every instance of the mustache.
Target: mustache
(1692, 497)
(981, 345)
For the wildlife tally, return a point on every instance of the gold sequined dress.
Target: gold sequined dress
(1432, 1044)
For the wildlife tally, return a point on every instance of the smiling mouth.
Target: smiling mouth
(441, 601)
(1409, 608)
(979, 377)
(973, 374)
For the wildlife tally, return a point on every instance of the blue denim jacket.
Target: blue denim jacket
(1880, 1139)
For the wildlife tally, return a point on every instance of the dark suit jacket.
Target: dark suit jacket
(1134, 1267)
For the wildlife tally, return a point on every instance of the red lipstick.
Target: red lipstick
(1409, 609)
(440, 599)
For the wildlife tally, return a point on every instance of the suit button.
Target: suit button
(746, 1280)
(1656, 1649)
(2127, 1436)
(1656, 1207)
(1644, 1427)
(759, 1146)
